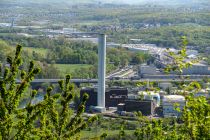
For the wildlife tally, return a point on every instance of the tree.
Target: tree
(49, 119)
(140, 58)
(5, 50)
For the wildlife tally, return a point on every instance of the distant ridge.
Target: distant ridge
(161, 2)
(46, 1)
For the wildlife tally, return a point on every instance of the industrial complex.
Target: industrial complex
(120, 100)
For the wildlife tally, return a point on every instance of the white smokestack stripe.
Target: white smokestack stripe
(101, 70)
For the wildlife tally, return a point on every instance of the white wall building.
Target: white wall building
(164, 85)
(169, 102)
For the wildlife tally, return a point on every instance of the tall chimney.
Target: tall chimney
(101, 71)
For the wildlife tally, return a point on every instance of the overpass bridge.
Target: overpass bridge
(95, 81)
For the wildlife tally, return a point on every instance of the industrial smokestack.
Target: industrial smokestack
(101, 72)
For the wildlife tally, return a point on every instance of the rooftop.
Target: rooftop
(173, 98)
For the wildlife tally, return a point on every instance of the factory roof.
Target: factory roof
(173, 98)
(199, 64)
(152, 48)
(147, 93)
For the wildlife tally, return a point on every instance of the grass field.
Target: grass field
(92, 134)
(70, 68)
(41, 51)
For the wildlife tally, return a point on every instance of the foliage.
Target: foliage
(62, 52)
(179, 59)
(194, 122)
(5, 50)
(49, 119)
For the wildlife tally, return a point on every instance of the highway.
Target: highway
(122, 73)
(56, 80)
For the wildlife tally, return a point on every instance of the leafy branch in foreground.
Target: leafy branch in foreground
(49, 119)
(178, 60)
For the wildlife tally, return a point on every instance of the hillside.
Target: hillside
(44, 1)
(161, 2)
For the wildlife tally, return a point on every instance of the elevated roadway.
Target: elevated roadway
(94, 81)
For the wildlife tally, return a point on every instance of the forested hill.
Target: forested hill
(161, 2)
(45, 1)
(156, 2)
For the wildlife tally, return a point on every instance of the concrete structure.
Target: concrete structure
(133, 96)
(199, 68)
(152, 96)
(203, 92)
(207, 51)
(101, 72)
(121, 107)
(152, 78)
(169, 102)
(191, 52)
(146, 107)
(5, 24)
(163, 58)
(146, 48)
(113, 96)
(164, 85)
(172, 77)
(146, 70)
(92, 100)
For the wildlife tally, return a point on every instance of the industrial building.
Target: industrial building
(146, 70)
(192, 54)
(165, 85)
(92, 100)
(199, 68)
(143, 101)
(150, 96)
(146, 48)
(203, 92)
(118, 97)
(169, 102)
(146, 107)
(113, 96)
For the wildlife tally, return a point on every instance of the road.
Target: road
(108, 80)
(122, 73)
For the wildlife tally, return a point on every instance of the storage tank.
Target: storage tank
(150, 95)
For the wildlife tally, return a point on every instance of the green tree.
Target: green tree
(194, 122)
(49, 119)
